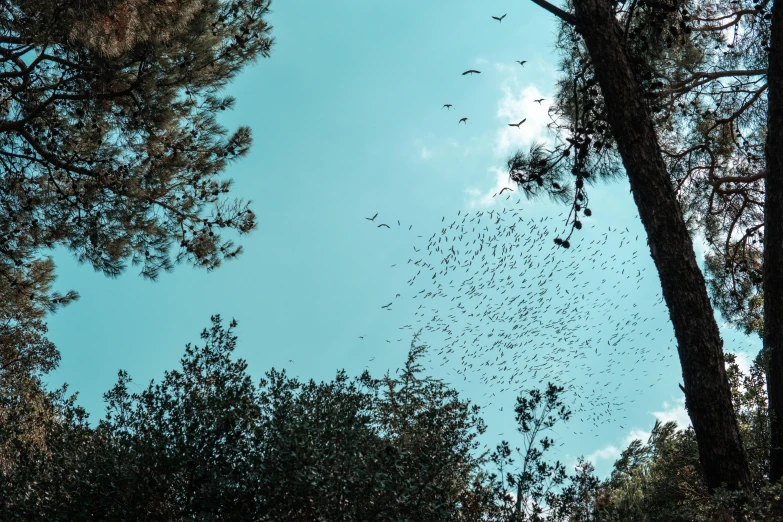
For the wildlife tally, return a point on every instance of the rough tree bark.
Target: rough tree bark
(773, 243)
(700, 347)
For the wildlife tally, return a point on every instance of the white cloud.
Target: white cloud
(485, 199)
(700, 247)
(636, 434)
(744, 361)
(607, 455)
(610, 452)
(674, 412)
(518, 104)
(425, 153)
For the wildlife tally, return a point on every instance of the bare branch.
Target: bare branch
(564, 16)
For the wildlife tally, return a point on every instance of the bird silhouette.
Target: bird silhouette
(517, 125)
(499, 18)
(538, 101)
(471, 71)
(383, 225)
(522, 62)
(447, 105)
(463, 120)
(504, 189)
(372, 218)
(387, 306)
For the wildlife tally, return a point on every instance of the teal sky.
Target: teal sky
(347, 121)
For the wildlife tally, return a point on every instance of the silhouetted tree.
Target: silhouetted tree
(609, 98)
(109, 143)
(110, 147)
(773, 243)
(528, 490)
(205, 443)
(661, 479)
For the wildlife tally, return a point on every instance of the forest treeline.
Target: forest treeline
(110, 148)
(208, 443)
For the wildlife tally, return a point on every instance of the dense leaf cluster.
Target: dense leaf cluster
(206, 443)
(109, 139)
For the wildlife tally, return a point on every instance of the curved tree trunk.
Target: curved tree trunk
(707, 391)
(773, 244)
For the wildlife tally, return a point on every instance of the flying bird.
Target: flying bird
(447, 105)
(387, 306)
(517, 125)
(522, 62)
(499, 18)
(538, 101)
(471, 71)
(463, 120)
(504, 189)
(372, 218)
(383, 225)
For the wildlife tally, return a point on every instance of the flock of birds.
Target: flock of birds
(505, 307)
(470, 72)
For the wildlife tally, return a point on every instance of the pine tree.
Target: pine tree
(628, 69)
(109, 139)
(773, 245)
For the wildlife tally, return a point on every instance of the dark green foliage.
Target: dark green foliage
(110, 147)
(662, 480)
(366, 449)
(528, 490)
(47, 455)
(657, 480)
(577, 502)
(109, 142)
(207, 444)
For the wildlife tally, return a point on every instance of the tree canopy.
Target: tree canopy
(206, 443)
(110, 144)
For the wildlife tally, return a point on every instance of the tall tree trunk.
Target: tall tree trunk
(700, 347)
(773, 243)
